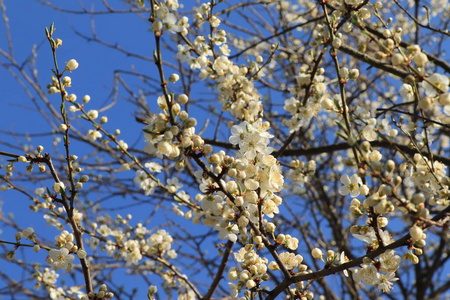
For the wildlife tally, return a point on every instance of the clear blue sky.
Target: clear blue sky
(27, 21)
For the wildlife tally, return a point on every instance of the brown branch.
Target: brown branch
(275, 35)
(436, 60)
(220, 271)
(85, 11)
(373, 62)
(339, 147)
(445, 32)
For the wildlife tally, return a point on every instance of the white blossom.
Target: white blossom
(351, 185)
(60, 259)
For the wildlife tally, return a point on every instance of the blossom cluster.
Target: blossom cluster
(380, 271)
(254, 177)
(237, 93)
(166, 20)
(132, 250)
(252, 271)
(169, 138)
(300, 172)
(302, 112)
(48, 280)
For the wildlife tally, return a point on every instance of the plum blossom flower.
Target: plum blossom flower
(269, 208)
(159, 242)
(252, 139)
(93, 114)
(133, 257)
(351, 186)
(144, 182)
(49, 276)
(367, 273)
(439, 80)
(371, 238)
(174, 184)
(93, 135)
(389, 261)
(407, 92)
(133, 253)
(369, 132)
(229, 232)
(385, 128)
(386, 281)
(342, 260)
(60, 259)
(104, 230)
(270, 176)
(290, 260)
(184, 53)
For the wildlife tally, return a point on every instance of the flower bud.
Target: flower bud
(420, 59)
(281, 238)
(250, 284)
(183, 116)
(19, 235)
(58, 42)
(157, 25)
(420, 243)
(354, 74)
(152, 290)
(84, 178)
(271, 227)
(418, 198)
(416, 233)
(182, 99)
(426, 103)
(58, 186)
(390, 165)
(317, 253)
(444, 99)
(81, 254)
(251, 184)
(207, 149)
(337, 43)
(71, 65)
(67, 81)
(174, 77)
(93, 114)
(397, 59)
(343, 73)
(176, 108)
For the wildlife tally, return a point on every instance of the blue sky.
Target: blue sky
(27, 20)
